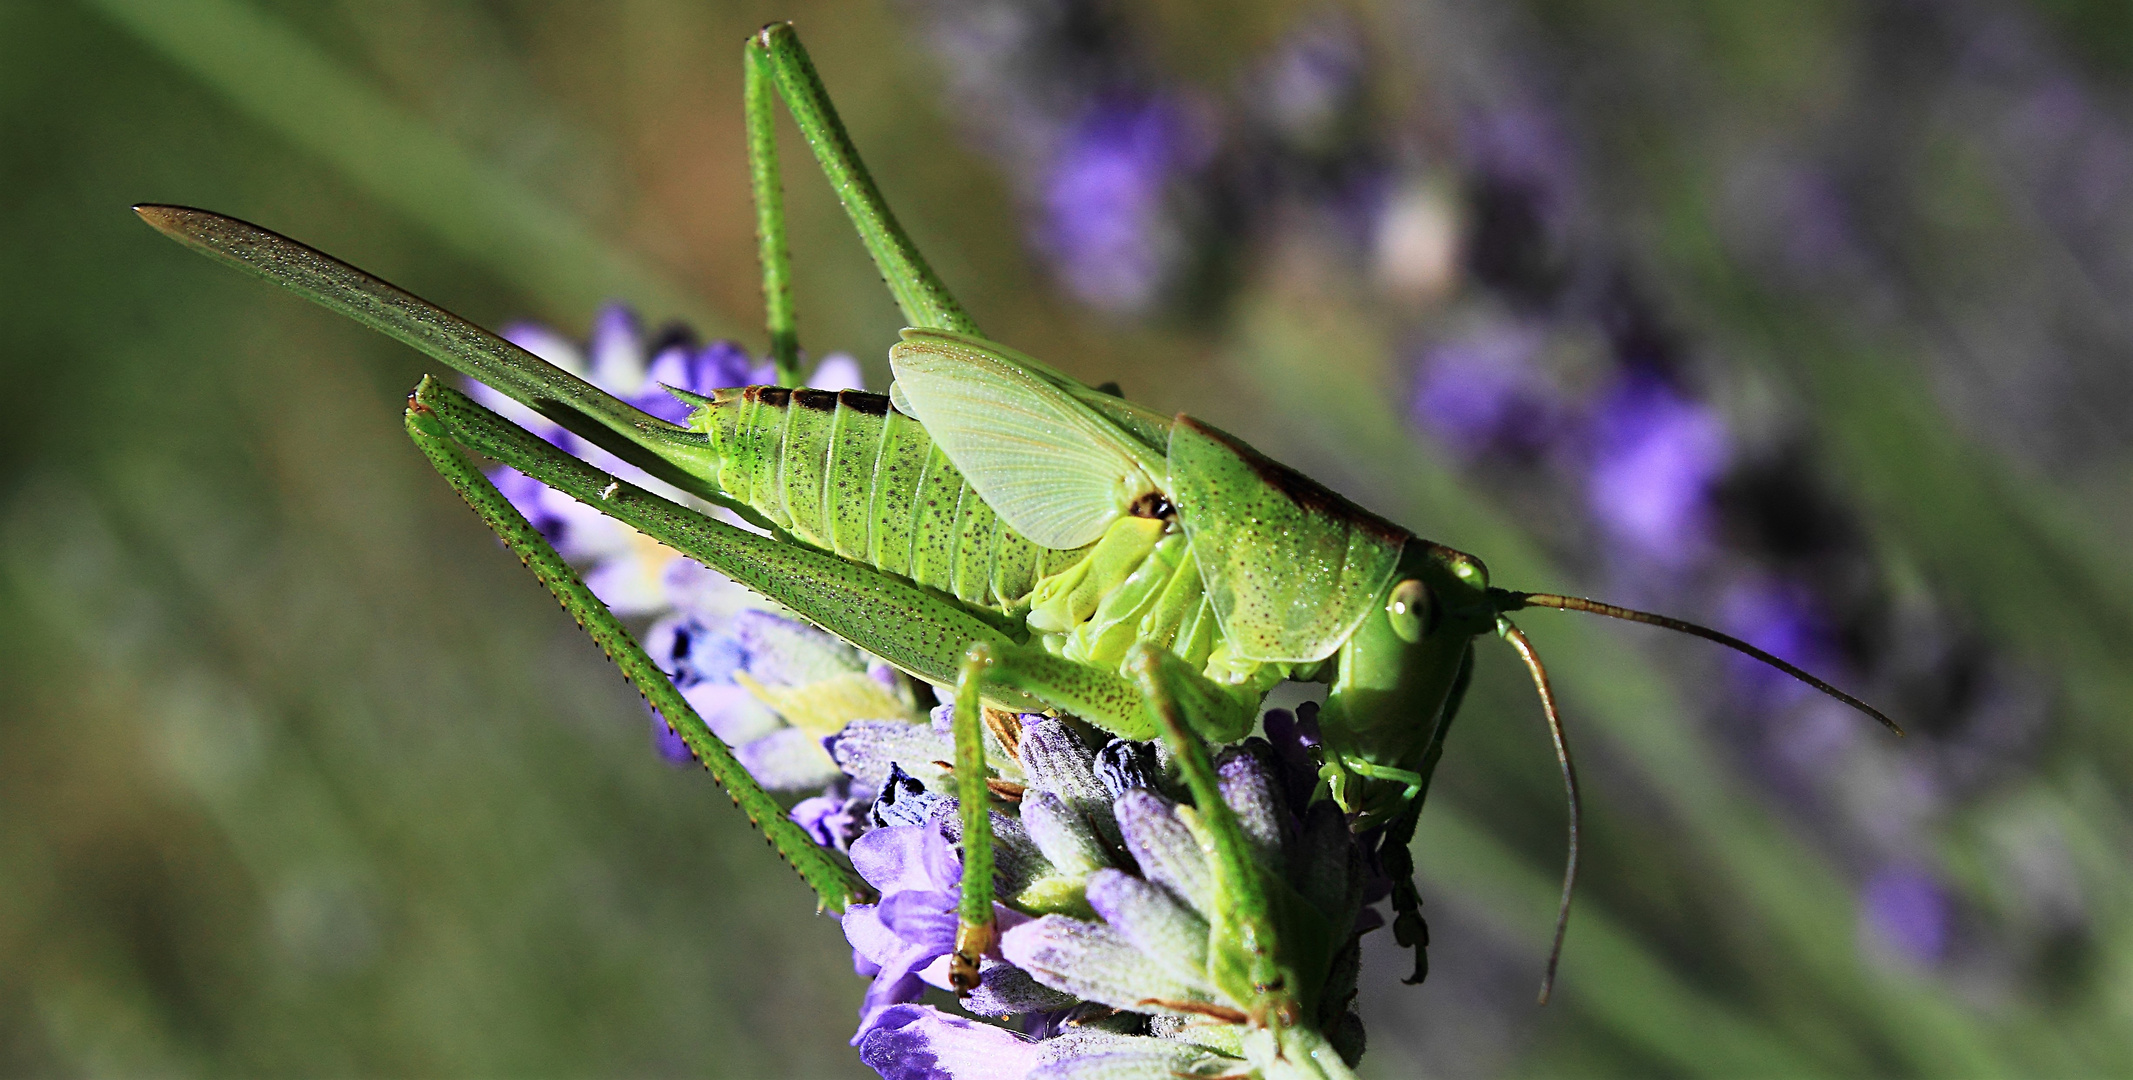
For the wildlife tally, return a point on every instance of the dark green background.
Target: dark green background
(301, 775)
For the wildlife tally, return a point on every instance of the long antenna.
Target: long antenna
(1518, 641)
(1579, 603)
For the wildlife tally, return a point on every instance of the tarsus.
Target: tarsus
(1518, 641)
(1518, 600)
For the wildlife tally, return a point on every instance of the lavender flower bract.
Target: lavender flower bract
(1107, 906)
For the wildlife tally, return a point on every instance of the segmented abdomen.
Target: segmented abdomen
(847, 472)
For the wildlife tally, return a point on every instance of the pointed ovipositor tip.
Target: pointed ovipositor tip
(171, 221)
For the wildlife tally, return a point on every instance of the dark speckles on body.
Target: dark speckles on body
(846, 472)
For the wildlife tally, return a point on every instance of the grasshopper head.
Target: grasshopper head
(1398, 675)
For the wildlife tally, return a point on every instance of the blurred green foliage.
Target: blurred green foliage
(300, 774)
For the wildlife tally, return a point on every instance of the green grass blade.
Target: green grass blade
(837, 885)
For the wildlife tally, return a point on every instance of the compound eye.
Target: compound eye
(1409, 610)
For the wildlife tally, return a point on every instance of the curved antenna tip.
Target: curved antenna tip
(1516, 600)
(1527, 653)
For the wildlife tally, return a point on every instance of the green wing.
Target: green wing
(1150, 427)
(1055, 469)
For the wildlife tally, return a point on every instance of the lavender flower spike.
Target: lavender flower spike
(1116, 957)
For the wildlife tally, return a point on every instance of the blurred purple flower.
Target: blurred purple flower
(1106, 223)
(1482, 394)
(1520, 144)
(1782, 618)
(1656, 455)
(1307, 88)
(1905, 909)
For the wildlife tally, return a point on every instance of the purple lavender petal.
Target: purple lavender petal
(692, 650)
(895, 858)
(897, 982)
(1105, 223)
(1165, 849)
(733, 714)
(782, 652)
(1779, 617)
(832, 818)
(1062, 833)
(837, 372)
(615, 350)
(1905, 909)
(871, 939)
(1056, 760)
(942, 862)
(787, 759)
(667, 742)
(1093, 961)
(885, 673)
(721, 365)
(629, 585)
(867, 750)
(530, 499)
(1250, 788)
(920, 917)
(1295, 741)
(669, 365)
(920, 1042)
(1006, 990)
(1147, 915)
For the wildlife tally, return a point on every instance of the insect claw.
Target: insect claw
(972, 942)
